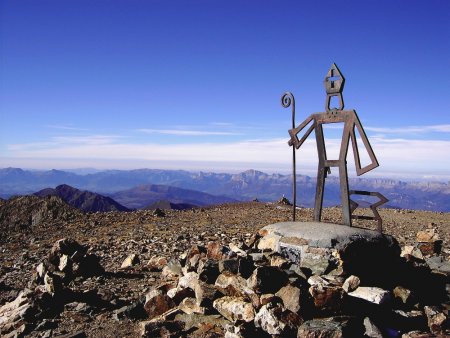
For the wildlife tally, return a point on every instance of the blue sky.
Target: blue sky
(196, 84)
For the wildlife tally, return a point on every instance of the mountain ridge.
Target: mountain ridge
(247, 185)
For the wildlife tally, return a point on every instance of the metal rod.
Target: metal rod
(288, 100)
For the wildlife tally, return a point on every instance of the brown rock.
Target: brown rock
(157, 263)
(327, 297)
(205, 294)
(291, 297)
(216, 251)
(402, 294)
(157, 302)
(165, 329)
(437, 320)
(428, 235)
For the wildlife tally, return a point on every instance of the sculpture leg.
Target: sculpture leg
(321, 172)
(345, 199)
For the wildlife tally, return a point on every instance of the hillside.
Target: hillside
(108, 304)
(84, 200)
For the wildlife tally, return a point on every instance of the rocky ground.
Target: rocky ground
(110, 238)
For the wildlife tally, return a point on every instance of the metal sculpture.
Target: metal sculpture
(334, 85)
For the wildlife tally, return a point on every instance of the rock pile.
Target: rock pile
(243, 289)
(249, 292)
(49, 290)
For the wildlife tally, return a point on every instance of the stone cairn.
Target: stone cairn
(250, 290)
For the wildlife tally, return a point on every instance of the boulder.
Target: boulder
(267, 279)
(275, 320)
(157, 302)
(291, 297)
(130, 261)
(235, 308)
(371, 294)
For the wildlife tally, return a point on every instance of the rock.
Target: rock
(130, 261)
(231, 265)
(178, 294)
(291, 297)
(275, 320)
(205, 294)
(14, 314)
(157, 263)
(68, 247)
(157, 302)
(267, 279)
(189, 280)
(189, 306)
(269, 242)
(317, 280)
(418, 334)
(236, 249)
(411, 250)
(371, 294)
(41, 270)
(197, 320)
(217, 251)
(208, 270)
(439, 265)
(437, 320)
(159, 213)
(232, 285)
(270, 298)
(279, 261)
(172, 270)
(430, 248)
(52, 283)
(316, 259)
(321, 328)
(428, 235)
(371, 329)
(166, 329)
(78, 334)
(351, 283)
(65, 264)
(327, 297)
(235, 308)
(403, 295)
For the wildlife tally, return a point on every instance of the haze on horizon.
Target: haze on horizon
(197, 85)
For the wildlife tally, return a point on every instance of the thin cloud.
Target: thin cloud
(439, 128)
(185, 132)
(428, 157)
(64, 127)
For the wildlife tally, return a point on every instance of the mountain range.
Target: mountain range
(121, 185)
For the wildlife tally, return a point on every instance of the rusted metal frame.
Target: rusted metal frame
(374, 162)
(373, 207)
(321, 172)
(294, 131)
(343, 176)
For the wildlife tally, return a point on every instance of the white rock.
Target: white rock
(371, 294)
(235, 308)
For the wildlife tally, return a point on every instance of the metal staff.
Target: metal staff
(288, 100)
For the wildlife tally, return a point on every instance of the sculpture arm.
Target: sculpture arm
(374, 162)
(294, 141)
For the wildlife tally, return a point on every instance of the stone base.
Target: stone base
(326, 247)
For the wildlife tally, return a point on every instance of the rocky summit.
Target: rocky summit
(216, 272)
